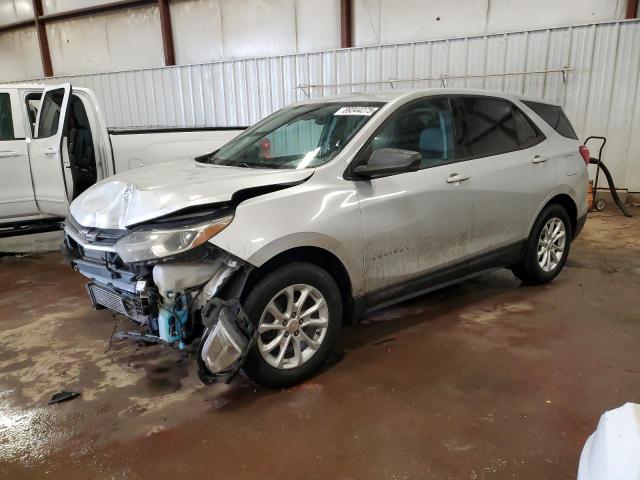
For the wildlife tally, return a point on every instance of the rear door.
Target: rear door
(16, 191)
(512, 165)
(52, 183)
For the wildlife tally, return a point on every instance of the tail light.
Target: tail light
(584, 151)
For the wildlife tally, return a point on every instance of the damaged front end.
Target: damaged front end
(179, 287)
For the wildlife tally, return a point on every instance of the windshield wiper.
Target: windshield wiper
(206, 158)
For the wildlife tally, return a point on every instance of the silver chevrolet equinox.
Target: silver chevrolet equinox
(253, 256)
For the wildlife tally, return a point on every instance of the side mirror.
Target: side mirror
(389, 161)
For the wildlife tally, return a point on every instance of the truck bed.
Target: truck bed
(134, 147)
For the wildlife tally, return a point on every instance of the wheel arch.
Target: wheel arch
(568, 203)
(570, 206)
(317, 256)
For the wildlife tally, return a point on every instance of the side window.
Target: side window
(50, 115)
(32, 101)
(555, 117)
(484, 127)
(528, 134)
(6, 120)
(424, 127)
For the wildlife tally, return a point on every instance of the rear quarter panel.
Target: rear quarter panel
(574, 185)
(571, 172)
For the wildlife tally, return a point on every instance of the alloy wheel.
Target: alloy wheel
(551, 244)
(293, 326)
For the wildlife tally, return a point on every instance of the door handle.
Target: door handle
(539, 159)
(51, 151)
(457, 178)
(8, 154)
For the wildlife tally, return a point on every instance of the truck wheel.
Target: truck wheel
(298, 312)
(547, 247)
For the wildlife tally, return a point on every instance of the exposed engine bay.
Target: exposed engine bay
(188, 297)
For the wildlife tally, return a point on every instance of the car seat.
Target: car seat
(80, 148)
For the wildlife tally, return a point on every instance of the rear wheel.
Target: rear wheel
(547, 248)
(298, 312)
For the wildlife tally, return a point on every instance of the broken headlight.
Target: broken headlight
(157, 242)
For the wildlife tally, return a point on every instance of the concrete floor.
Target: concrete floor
(486, 379)
(42, 242)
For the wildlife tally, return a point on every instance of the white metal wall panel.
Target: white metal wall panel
(317, 24)
(57, 6)
(12, 11)
(15, 61)
(601, 94)
(197, 30)
(392, 21)
(521, 14)
(258, 27)
(101, 43)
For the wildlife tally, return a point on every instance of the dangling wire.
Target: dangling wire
(115, 326)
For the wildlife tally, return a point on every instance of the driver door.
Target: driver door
(415, 223)
(51, 173)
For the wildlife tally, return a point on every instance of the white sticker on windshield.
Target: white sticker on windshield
(364, 111)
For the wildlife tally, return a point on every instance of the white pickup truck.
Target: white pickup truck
(54, 144)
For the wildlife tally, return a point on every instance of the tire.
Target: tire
(300, 360)
(535, 270)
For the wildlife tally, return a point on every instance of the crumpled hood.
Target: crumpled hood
(151, 192)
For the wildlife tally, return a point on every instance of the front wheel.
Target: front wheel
(297, 310)
(547, 248)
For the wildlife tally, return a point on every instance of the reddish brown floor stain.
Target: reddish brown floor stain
(485, 379)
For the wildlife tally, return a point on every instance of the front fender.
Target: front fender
(307, 215)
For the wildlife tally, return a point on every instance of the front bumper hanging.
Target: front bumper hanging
(229, 335)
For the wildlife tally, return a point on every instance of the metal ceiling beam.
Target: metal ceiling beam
(93, 10)
(43, 41)
(79, 12)
(40, 19)
(17, 25)
(346, 23)
(167, 35)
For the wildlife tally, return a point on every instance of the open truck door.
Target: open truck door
(50, 168)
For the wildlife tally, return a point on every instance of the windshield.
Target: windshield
(296, 137)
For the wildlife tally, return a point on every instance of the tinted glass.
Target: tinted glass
(6, 121)
(50, 115)
(424, 127)
(485, 126)
(555, 117)
(528, 135)
(296, 137)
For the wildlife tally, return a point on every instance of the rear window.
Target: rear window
(555, 117)
(528, 135)
(487, 126)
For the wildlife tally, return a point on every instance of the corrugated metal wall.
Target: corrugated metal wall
(601, 94)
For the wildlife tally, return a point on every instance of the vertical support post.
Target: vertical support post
(167, 35)
(43, 41)
(346, 23)
(632, 9)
